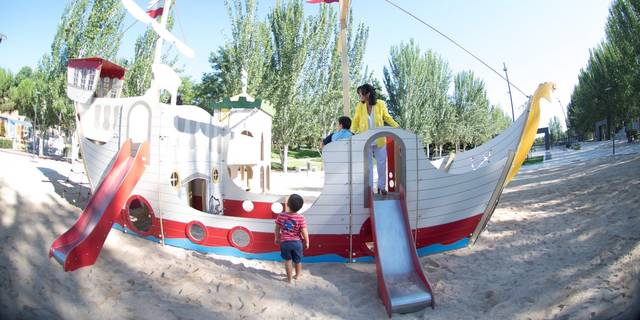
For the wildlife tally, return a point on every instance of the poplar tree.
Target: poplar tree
(87, 28)
(472, 110)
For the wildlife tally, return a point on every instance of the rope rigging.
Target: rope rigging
(458, 45)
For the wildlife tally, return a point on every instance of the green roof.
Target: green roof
(242, 103)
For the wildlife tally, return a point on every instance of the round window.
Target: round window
(139, 213)
(196, 232)
(215, 176)
(276, 207)
(247, 205)
(175, 179)
(240, 237)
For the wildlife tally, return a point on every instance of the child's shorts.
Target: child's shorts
(291, 250)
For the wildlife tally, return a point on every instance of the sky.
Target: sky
(540, 41)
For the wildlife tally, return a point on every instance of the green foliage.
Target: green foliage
(23, 97)
(6, 82)
(87, 28)
(555, 130)
(498, 121)
(24, 73)
(417, 84)
(186, 90)
(6, 143)
(609, 86)
(293, 61)
(472, 109)
(249, 48)
(533, 160)
(298, 160)
(138, 79)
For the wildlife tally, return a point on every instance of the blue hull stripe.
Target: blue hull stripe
(275, 256)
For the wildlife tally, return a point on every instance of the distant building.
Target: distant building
(16, 128)
(602, 131)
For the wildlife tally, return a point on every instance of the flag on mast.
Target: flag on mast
(155, 8)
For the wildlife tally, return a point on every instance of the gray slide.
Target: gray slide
(402, 285)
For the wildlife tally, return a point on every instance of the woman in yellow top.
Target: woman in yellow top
(372, 113)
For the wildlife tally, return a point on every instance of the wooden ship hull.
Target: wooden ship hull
(448, 202)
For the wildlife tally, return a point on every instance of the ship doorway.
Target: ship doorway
(392, 156)
(197, 191)
(139, 123)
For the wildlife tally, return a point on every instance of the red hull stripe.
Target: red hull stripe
(441, 236)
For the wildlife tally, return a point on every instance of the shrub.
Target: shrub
(532, 160)
(6, 143)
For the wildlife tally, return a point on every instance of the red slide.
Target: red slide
(80, 246)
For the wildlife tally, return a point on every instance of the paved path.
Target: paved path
(588, 150)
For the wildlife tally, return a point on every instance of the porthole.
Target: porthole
(239, 237)
(247, 206)
(276, 207)
(196, 232)
(139, 215)
(390, 175)
(215, 176)
(392, 184)
(174, 179)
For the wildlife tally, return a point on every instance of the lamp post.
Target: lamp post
(35, 120)
(610, 123)
(566, 120)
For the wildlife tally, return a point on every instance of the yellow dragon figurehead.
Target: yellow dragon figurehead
(531, 127)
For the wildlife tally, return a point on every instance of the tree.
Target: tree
(417, 85)
(24, 73)
(555, 130)
(6, 82)
(264, 50)
(23, 97)
(186, 90)
(87, 28)
(498, 121)
(249, 48)
(322, 75)
(289, 31)
(472, 110)
(622, 29)
(609, 85)
(138, 79)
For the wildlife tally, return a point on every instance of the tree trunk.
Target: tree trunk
(284, 157)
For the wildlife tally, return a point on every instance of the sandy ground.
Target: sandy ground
(563, 244)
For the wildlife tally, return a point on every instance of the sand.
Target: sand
(563, 244)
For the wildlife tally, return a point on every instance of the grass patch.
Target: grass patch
(298, 159)
(532, 160)
(6, 143)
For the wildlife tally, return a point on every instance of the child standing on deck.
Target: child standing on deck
(291, 230)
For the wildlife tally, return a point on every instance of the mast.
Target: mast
(342, 45)
(157, 57)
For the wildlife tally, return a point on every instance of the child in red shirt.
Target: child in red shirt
(291, 230)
